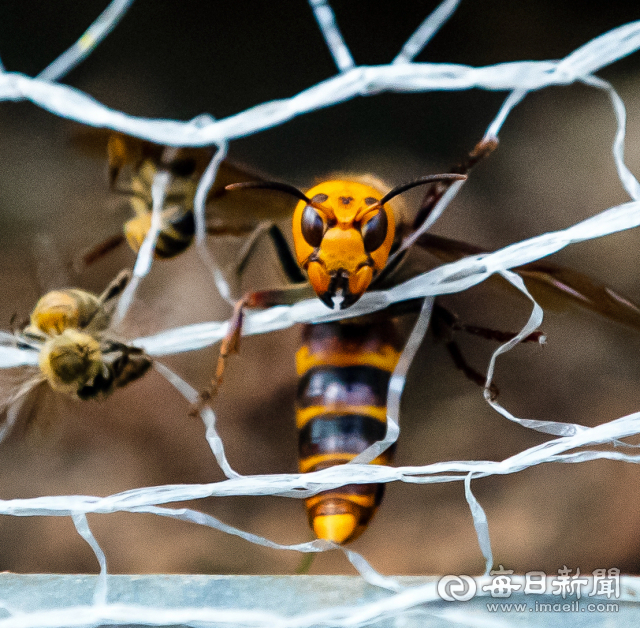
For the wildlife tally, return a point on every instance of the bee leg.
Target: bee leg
(266, 298)
(286, 258)
(230, 344)
(443, 325)
(296, 278)
(98, 252)
(17, 327)
(23, 333)
(454, 323)
(305, 564)
(469, 372)
(501, 336)
(435, 191)
(108, 245)
(116, 286)
(111, 292)
(431, 198)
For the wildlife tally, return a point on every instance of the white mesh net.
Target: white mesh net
(571, 442)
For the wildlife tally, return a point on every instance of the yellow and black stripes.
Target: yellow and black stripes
(344, 373)
(177, 222)
(177, 232)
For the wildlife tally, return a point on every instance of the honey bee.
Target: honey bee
(133, 166)
(67, 329)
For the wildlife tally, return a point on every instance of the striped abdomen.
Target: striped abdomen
(344, 371)
(177, 227)
(67, 309)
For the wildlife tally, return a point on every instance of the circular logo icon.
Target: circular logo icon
(457, 588)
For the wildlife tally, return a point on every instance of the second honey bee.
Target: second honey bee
(133, 166)
(68, 330)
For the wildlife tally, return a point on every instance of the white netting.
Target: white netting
(402, 75)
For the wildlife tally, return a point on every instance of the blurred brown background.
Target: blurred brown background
(553, 168)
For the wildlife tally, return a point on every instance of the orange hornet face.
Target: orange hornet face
(343, 240)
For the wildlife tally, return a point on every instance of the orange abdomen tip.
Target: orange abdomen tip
(338, 528)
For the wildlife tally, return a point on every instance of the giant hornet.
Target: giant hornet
(344, 233)
(75, 356)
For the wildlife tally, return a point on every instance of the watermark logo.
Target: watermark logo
(457, 588)
(601, 583)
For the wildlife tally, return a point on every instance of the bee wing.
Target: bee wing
(124, 150)
(554, 287)
(15, 386)
(246, 206)
(120, 149)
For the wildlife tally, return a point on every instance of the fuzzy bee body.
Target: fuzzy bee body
(59, 310)
(67, 327)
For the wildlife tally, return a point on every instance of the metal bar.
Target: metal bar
(53, 600)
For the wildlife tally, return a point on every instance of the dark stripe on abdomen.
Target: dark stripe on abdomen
(177, 231)
(184, 223)
(169, 246)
